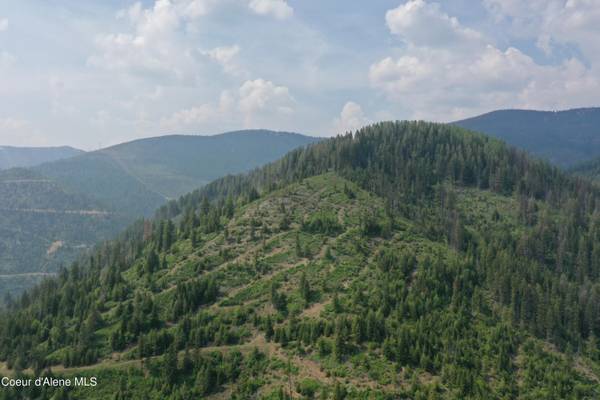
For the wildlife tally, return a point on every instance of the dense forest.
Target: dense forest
(564, 138)
(408, 260)
(588, 169)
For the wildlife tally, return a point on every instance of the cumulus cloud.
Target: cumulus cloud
(3, 24)
(554, 22)
(259, 95)
(201, 115)
(225, 56)
(448, 71)
(255, 101)
(275, 8)
(154, 43)
(351, 118)
(423, 24)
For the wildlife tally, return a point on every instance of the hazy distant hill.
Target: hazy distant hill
(11, 157)
(137, 177)
(562, 137)
(589, 169)
(43, 226)
(51, 212)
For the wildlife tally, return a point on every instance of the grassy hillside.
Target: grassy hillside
(13, 157)
(563, 137)
(411, 261)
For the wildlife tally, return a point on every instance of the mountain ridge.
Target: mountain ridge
(410, 260)
(124, 183)
(564, 137)
(15, 157)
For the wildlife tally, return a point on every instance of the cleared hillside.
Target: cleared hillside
(411, 261)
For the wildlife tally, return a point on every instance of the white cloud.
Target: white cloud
(255, 102)
(351, 118)
(201, 116)
(554, 22)
(12, 124)
(196, 8)
(3, 24)
(225, 56)
(424, 24)
(276, 8)
(154, 44)
(259, 95)
(441, 80)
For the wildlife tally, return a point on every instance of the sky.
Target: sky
(96, 73)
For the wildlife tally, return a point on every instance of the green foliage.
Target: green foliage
(473, 281)
(562, 137)
(51, 213)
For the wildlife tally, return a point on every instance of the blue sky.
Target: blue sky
(96, 73)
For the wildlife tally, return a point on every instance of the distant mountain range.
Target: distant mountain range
(50, 212)
(564, 138)
(13, 157)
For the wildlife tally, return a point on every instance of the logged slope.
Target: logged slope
(411, 261)
(564, 137)
(50, 213)
(12, 157)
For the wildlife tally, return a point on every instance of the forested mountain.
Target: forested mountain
(407, 261)
(44, 227)
(139, 176)
(51, 213)
(12, 157)
(589, 169)
(564, 138)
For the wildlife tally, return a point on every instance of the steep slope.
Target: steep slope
(411, 261)
(13, 157)
(562, 137)
(52, 212)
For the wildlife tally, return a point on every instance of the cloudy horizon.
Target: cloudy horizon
(93, 74)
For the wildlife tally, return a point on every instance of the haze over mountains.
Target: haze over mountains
(53, 211)
(12, 157)
(408, 261)
(588, 169)
(564, 138)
